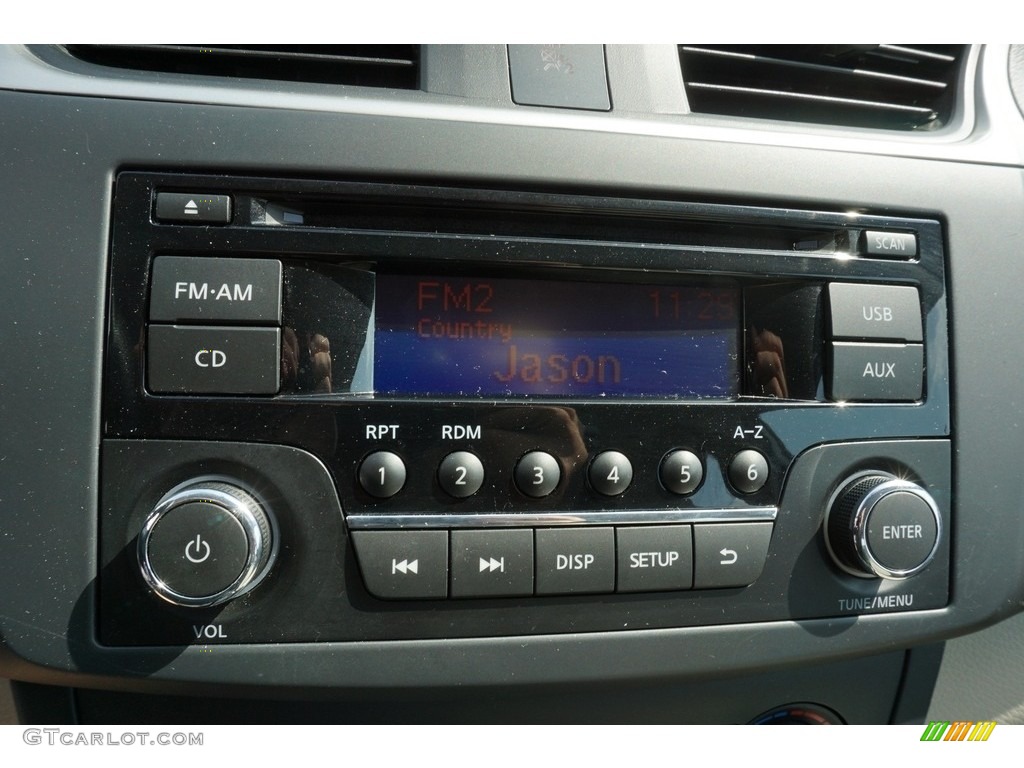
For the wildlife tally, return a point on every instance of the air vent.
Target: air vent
(374, 66)
(895, 87)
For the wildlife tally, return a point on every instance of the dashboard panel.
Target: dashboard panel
(458, 395)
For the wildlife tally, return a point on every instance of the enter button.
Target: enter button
(902, 531)
(655, 559)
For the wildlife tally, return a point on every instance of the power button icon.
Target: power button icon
(197, 550)
(204, 544)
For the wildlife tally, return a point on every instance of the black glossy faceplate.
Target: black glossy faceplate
(780, 259)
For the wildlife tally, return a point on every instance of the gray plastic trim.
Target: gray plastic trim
(470, 84)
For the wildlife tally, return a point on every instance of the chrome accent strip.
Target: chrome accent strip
(400, 521)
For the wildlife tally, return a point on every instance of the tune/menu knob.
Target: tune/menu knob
(879, 525)
(205, 543)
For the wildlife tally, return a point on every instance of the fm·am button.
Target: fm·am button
(213, 361)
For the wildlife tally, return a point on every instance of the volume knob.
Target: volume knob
(205, 543)
(879, 525)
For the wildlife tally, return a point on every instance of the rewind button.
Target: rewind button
(492, 563)
(403, 564)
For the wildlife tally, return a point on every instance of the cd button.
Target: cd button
(611, 473)
(461, 474)
(492, 563)
(214, 361)
(575, 560)
(537, 474)
(403, 564)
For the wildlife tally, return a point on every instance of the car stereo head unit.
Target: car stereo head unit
(346, 411)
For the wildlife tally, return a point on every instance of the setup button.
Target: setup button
(655, 558)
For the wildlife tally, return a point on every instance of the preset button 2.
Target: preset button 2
(461, 474)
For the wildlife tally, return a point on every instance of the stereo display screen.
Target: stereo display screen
(489, 337)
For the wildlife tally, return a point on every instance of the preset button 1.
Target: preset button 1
(382, 474)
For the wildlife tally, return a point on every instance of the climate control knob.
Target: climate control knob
(879, 525)
(205, 543)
